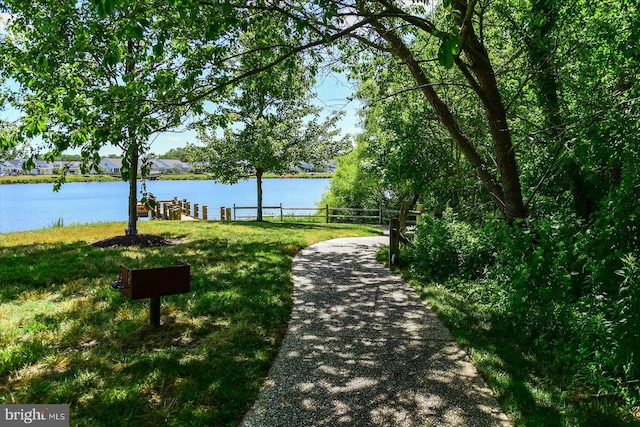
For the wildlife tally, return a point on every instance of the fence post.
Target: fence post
(221, 213)
(394, 241)
(229, 214)
(419, 208)
(195, 210)
(280, 212)
(326, 213)
(380, 215)
(404, 213)
(204, 213)
(234, 211)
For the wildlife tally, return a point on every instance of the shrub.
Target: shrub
(566, 293)
(444, 247)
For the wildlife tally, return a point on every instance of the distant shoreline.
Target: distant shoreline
(51, 179)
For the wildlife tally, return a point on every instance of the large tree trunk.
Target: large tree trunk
(133, 157)
(259, 173)
(486, 87)
(506, 193)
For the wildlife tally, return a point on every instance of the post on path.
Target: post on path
(394, 241)
(205, 213)
(222, 211)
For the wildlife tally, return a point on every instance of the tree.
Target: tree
(273, 129)
(383, 26)
(176, 153)
(89, 79)
(388, 27)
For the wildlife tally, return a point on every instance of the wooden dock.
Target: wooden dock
(175, 209)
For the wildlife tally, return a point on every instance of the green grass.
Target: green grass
(528, 392)
(67, 337)
(50, 179)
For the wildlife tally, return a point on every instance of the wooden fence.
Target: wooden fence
(398, 220)
(329, 214)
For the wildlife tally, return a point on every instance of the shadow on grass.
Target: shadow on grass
(72, 339)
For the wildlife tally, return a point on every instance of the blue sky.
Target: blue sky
(333, 92)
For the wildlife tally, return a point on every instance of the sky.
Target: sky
(333, 92)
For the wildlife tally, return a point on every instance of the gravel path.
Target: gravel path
(362, 349)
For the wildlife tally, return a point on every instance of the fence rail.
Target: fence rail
(329, 214)
(182, 208)
(397, 219)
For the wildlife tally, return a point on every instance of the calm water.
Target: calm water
(35, 206)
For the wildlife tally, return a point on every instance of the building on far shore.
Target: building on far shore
(108, 165)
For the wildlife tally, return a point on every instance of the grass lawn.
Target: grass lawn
(67, 337)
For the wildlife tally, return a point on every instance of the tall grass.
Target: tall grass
(67, 337)
(57, 223)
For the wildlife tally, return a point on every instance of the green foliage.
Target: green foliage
(446, 246)
(176, 153)
(103, 81)
(352, 186)
(270, 125)
(565, 296)
(57, 223)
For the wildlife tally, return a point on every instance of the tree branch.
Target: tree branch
(281, 58)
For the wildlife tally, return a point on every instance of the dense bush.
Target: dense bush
(567, 293)
(446, 246)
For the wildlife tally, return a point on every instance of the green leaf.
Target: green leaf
(445, 57)
(158, 49)
(104, 7)
(29, 164)
(125, 170)
(212, 31)
(455, 44)
(448, 50)
(137, 30)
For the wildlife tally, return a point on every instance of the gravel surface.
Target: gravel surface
(362, 349)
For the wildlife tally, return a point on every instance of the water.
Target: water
(34, 206)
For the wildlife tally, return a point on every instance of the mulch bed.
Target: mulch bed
(140, 240)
